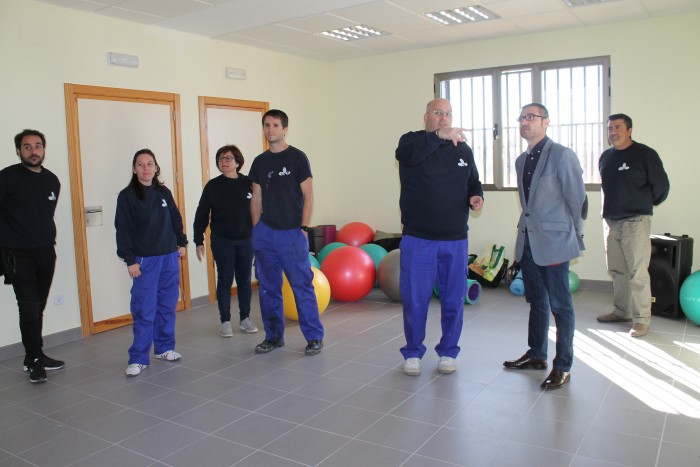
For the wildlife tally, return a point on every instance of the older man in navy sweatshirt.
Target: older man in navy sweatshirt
(439, 183)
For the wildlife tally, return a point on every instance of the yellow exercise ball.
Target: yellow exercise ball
(321, 287)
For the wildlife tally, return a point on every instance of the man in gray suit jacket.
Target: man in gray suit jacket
(550, 234)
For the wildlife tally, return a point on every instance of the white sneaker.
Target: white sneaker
(412, 366)
(248, 326)
(134, 369)
(226, 330)
(447, 365)
(169, 355)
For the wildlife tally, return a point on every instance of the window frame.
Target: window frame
(537, 69)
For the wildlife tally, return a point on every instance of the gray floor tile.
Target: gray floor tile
(263, 459)
(328, 389)
(399, 433)
(297, 445)
(619, 447)
(211, 386)
(343, 420)
(630, 421)
(12, 416)
(210, 416)
(169, 405)
(513, 454)
(114, 456)
(461, 448)
(53, 401)
(286, 380)
(255, 430)
(161, 440)
(27, 435)
(64, 450)
(549, 434)
(358, 372)
(427, 409)
(251, 396)
(357, 453)
(210, 452)
(672, 455)
(377, 399)
(86, 412)
(294, 408)
(125, 424)
(422, 461)
(135, 393)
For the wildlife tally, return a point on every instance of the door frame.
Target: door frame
(73, 92)
(206, 103)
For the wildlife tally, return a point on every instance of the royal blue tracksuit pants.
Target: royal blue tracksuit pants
(154, 296)
(277, 251)
(423, 264)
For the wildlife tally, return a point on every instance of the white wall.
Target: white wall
(347, 116)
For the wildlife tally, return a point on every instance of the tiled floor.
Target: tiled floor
(630, 402)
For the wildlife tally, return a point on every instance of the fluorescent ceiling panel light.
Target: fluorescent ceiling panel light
(462, 15)
(573, 3)
(353, 33)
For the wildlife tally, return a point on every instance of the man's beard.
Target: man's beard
(28, 163)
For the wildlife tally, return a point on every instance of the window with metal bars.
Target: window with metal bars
(486, 103)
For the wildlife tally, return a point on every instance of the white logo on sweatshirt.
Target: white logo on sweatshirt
(52, 197)
(624, 166)
(165, 203)
(250, 195)
(462, 163)
(285, 172)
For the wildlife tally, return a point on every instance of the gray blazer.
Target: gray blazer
(554, 216)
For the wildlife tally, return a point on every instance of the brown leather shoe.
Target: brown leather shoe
(612, 318)
(556, 379)
(526, 362)
(639, 330)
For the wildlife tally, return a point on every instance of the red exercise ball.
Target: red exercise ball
(351, 273)
(355, 234)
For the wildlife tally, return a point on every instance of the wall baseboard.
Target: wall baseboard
(51, 340)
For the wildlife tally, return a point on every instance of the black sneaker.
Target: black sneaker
(313, 348)
(37, 373)
(268, 346)
(49, 363)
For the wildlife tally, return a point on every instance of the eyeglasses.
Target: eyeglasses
(225, 158)
(529, 117)
(440, 114)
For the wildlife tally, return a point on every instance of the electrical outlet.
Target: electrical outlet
(58, 299)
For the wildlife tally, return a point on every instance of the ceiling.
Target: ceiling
(292, 26)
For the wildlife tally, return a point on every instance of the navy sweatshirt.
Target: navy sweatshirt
(437, 180)
(228, 201)
(633, 181)
(27, 205)
(148, 227)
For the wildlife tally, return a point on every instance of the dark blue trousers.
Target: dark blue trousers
(287, 251)
(233, 261)
(547, 288)
(424, 263)
(154, 296)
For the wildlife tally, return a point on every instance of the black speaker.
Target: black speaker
(671, 261)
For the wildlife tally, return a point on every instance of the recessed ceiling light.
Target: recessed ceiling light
(462, 15)
(572, 3)
(353, 33)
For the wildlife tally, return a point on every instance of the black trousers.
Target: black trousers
(31, 272)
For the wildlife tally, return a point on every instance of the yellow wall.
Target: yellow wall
(347, 116)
